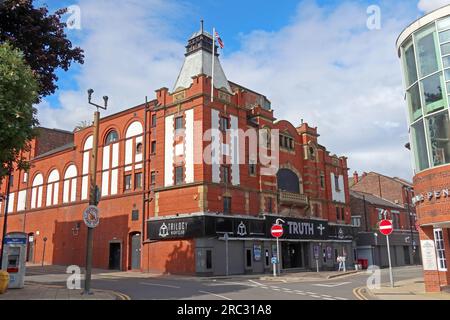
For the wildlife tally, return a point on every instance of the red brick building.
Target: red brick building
(178, 174)
(424, 52)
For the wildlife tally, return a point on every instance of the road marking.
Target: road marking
(314, 296)
(159, 285)
(339, 298)
(277, 289)
(217, 295)
(257, 283)
(326, 296)
(301, 293)
(358, 294)
(217, 284)
(329, 299)
(331, 285)
(310, 292)
(273, 287)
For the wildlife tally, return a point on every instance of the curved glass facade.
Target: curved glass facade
(426, 70)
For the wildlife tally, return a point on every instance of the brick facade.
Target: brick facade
(126, 208)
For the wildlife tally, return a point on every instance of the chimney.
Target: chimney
(355, 177)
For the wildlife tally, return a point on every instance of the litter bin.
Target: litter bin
(364, 263)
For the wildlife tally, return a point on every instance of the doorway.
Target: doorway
(292, 255)
(135, 250)
(30, 248)
(114, 256)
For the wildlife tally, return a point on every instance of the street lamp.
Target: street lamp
(93, 195)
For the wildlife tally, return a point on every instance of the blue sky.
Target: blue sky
(315, 60)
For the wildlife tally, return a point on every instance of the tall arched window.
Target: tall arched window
(133, 153)
(87, 148)
(53, 188)
(110, 165)
(288, 181)
(70, 184)
(36, 191)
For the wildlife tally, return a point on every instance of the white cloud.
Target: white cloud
(324, 67)
(129, 54)
(329, 69)
(430, 5)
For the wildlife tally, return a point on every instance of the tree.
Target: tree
(82, 125)
(41, 38)
(18, 91)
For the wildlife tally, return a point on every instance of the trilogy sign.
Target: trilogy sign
(444, 193)
(173, 229)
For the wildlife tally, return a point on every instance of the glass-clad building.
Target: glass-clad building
(425, 55)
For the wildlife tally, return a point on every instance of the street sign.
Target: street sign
(274, 260)
(277, 231)
(91, 217)
(386, 227)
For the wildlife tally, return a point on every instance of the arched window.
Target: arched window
(70, 184)
(88, 144)
(288, 181)
(53, 188)
(133, 154)
(110, 165)
(36, 191)
(111, 137)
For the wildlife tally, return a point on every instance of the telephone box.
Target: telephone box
(14, 258)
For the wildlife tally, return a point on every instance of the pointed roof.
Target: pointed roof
(199, 61)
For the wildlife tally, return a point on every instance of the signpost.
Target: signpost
(277, 232)
(386, 228)
(226, 237)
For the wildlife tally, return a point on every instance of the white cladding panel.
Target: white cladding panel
(168, 152)
(129, 151)
(234, 149)
(189, 146)
(338, 194)
(114, 178)
(11, 202)
(21, 200)
(106, 151)
(215, 146)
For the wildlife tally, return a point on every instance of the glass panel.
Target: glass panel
(445, 49)
(446, 61)
(420, 147)
(433, 98)
(410, 61)
(444, 36)
(413, 98)
(426, 51)
(443, 24)
(439, 131)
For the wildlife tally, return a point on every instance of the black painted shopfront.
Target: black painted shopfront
(301, 245)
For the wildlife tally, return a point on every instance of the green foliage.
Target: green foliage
(42, 39)
(18, 91)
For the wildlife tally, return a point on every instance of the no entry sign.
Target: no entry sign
(386, 227)
(277, 231)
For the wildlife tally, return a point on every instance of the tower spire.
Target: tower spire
(201, 25)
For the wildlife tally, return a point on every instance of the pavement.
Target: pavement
(409, 289)
(36, 291)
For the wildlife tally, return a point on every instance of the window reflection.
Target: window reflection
(413, 97)
(432, 93)
(420, 146)
(439, 131)
(426, 52)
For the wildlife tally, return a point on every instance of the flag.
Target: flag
(219, 40)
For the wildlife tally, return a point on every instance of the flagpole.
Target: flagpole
(213, 63)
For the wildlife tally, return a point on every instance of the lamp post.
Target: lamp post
(93, 195)
(411, 223)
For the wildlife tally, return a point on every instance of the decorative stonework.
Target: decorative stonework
(179, 96)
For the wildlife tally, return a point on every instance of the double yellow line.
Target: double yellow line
(358, 293)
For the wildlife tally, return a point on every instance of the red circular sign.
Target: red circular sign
(277, 231)
(386, 227)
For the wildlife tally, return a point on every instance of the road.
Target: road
(239, 287)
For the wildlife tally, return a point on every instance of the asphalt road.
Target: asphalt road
(245, 288)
